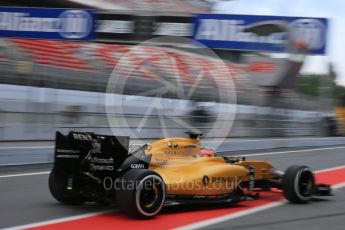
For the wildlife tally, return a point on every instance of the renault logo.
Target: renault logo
(172, 144)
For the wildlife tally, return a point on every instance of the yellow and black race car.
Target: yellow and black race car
(142, 179)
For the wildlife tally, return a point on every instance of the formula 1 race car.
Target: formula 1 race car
(141, 179)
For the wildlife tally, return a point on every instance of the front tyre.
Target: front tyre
(298, 184)
(141, 193)
(58, 188)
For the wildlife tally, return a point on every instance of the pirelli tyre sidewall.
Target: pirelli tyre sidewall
(58, 189)
(298, 184)
(142, 193)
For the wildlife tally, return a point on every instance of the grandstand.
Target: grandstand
(185, 6)
(88, 65)
(147, 5)
(52, 54)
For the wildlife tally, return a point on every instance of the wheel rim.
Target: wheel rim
(304, 183)
(150, 195)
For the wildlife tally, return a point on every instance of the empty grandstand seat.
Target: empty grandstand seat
(111, 54)
(159, 5)
(58, 54)
(161, 62)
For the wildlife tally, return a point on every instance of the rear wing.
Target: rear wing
(85, 151)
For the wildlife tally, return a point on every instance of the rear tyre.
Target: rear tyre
(141, 193)
(298, 184)
(58, 189)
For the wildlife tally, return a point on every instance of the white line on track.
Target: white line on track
(293, 151)
(26, 147)
(330, 169)
(205, 141)
(277, 139)
(205, 223)
(24, 174)
(59, 220)
(338, 186)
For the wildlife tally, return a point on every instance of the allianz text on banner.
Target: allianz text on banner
(231, 32)
(43, 23)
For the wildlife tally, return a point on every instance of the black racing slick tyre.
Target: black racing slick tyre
(141, 193)
(58, 189)
(298, 184)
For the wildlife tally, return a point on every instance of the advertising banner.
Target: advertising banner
(116, 26)
(47, 23)
(136, 28)
(261, 33)
(173, 26)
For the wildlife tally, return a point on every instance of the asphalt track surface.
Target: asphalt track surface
(25, 199)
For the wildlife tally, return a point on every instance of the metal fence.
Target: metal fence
(24, 120)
